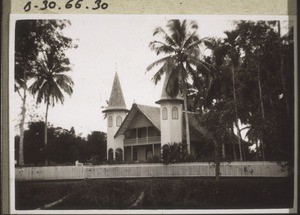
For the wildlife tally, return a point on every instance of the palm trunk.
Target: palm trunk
(257, 152)
(236, 114)
(283, 82)
(262, 111)
(283, 79)
(217, 161)
(46, 135)
(21, 126)
(233, 144)
(223, 150)
(188, 141)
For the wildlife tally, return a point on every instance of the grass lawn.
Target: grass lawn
(160, 193)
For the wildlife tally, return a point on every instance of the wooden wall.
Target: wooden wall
(233, 169)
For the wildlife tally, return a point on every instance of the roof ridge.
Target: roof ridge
(147, 105)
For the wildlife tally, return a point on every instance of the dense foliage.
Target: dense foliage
(254, 65)
(40, 57)
(64, 146)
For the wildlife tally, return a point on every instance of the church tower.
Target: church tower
(170, 116)
(115, 114)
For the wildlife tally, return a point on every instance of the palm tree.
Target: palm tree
(234, 55)
(181, 62)
(50, 81)
(25, 50)
(21, 78)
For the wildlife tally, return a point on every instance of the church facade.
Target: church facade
(139, 133)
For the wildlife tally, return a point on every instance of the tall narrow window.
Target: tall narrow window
(119, 121)
(174, 113)
(110, 154)
(110, 121)
(164, 113)
(134, 153)
(119, 154)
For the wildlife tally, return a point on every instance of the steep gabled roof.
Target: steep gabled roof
(116, 99)
(151, 113)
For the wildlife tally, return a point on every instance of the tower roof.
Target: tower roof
(164, 95)
(116, 99)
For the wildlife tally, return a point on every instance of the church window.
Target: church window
(174, 113)
(110, 154)
(110, 121)
(119, 121)
(164, 113)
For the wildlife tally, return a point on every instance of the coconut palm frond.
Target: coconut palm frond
(191, 38)
(194, 74)
(43, 92)
(157, 76)
(160, 47)
(62, 69)
(199, 63)
(42, 69)
(196, 43)
(174, 27)
(65, 83)
(193, 25)
(49, 83)
(56, 95)
(156, 43)
(62, 66)
(36, 85)
(173, 83)
(158, 62)
(168, 39)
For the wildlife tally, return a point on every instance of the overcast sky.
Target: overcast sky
(107, 43)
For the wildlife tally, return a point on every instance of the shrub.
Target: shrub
(175, 152)
(154, 159)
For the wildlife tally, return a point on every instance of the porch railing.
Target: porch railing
(143, 140)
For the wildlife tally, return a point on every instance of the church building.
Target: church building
(139, 133)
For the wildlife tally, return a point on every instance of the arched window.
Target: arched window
(174, 113)
(119, 154)
(110, 154)
(164, 113)
(110, 121)
(118, 121)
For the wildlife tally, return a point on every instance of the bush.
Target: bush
(175, 152)
(154, 159)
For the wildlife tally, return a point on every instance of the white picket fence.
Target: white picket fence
(233, 169)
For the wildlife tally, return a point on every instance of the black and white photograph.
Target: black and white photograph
(152, 113)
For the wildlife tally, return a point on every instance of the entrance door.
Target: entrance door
(149, 152)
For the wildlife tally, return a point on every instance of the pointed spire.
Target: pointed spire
(116, 99)
(164, 95)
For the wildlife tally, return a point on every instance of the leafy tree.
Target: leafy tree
(26, 40)
(180, 45)
(233, 53)
(260, 44)
(96, 143)
(34, 152)
(64, 146)
(30, 37)
(50, 78)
